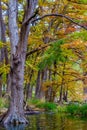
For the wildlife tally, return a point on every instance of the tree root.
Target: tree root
(2, 116)
(15, 119)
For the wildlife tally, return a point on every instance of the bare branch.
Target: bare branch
(60, 15)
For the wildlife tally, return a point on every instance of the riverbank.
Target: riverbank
(38, 106)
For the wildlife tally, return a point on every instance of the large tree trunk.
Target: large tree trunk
(15, 113)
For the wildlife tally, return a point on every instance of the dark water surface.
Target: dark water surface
(51, 121)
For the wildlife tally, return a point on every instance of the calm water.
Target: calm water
(51, 121)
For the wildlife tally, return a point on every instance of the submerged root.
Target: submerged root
(14, 119)
(2, 116)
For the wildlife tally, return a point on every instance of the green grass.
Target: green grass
(42, 104)
(33, 101)
(73, 109)
(80, 109)
(62, 109)
(83, 110)
(47, 106)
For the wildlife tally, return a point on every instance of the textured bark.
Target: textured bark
(43, 79)
(61, 94)
(29, 88)
(0, 86)
(48, 93)
(62, 87)
(29, 91)
(85, 87)
(38, 85)
(15, 113)
(2, 50)
(65, 96)
(8, 89)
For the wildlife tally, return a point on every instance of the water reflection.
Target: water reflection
(50, 121)
(12, 127)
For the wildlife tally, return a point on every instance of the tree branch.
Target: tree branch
(42, 17)
(30, 18)
(37, 49)
(60, 15)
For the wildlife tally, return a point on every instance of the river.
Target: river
(51, 121)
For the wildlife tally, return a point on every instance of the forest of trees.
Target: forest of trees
(43, 53)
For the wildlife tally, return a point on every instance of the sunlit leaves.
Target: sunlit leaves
(79, 34)
(4, 70)
(1, 44)
(83, 1)
(68, 44)
(31, 66)
(53, 53)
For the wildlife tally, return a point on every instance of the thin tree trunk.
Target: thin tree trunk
(65, 94)
(85, 87)
(29, 91)
(8, 89)
(43, 79)
(0, 86)
(1, 49)
(48, 91)
(62, 85)
(29, 87)
(61, 94)
(38, 85)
